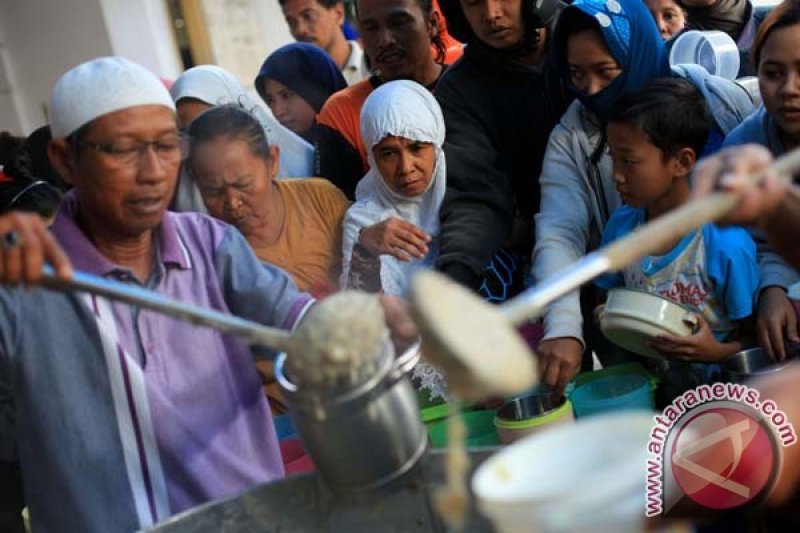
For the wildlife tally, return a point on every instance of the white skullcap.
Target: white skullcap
(99, 87)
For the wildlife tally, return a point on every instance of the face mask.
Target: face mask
(600, 103)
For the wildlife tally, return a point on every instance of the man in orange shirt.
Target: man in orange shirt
(397, 36)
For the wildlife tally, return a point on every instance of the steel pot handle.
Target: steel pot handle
(280, 376)
(401, 366)
(406, 362)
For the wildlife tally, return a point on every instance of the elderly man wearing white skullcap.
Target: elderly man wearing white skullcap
(121, 417)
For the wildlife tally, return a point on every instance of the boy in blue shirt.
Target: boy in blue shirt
(655, 135)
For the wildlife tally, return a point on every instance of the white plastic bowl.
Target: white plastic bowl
(585, 476)
(631, 318)
(713, 50)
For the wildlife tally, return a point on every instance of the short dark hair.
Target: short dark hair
(437, 41)
(783, 15)
(671, 111)
(32, 162)
(324, 3)
(36, 196)
(232, 122)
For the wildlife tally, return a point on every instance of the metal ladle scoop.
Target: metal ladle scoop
(477, 344)
(253, 332)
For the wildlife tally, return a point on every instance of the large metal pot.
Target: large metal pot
(749, 363)
(362, 438)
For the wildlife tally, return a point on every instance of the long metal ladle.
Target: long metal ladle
(253, 332)
(462, 334)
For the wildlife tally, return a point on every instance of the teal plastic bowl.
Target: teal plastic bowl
(615, 392)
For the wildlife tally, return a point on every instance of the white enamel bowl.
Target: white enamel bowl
(586, 476)
(631, 318)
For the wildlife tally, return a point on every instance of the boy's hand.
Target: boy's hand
(701, 346)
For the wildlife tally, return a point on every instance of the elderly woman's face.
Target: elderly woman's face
(125, 168)
(405, 165)
(236, 185)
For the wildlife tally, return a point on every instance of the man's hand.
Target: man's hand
(25, 246)
(777, 321)
(560, 361)
(402, 329)
(730, 170)
(781, 387)
(395, 237)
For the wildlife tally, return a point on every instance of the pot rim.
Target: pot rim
(390, 370)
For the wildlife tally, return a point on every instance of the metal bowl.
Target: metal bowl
(531, 406)
(749, 363)
(525, 415)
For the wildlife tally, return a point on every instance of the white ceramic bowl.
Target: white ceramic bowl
(632, 317)
(586, 476)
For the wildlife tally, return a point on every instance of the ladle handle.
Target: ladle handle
(253, 332)
(648, 239)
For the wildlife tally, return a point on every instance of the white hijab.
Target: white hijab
(216, 86)
(406, 109)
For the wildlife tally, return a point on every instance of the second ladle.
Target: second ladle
(477, 344)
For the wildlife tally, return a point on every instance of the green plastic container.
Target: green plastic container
(480, 430)
(435, 413)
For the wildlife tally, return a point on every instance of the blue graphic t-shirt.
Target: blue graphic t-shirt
(711, 270)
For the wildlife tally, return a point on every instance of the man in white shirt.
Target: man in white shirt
(320, 22)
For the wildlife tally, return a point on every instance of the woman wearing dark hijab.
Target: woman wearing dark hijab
(295, 81)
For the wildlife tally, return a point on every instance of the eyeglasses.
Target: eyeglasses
(170, 149)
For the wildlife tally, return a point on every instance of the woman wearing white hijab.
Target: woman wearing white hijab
(395, 219)
(200, 88)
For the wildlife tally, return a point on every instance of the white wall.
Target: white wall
(243, 33)
(43, 39)
(9, 115)
(140, 30)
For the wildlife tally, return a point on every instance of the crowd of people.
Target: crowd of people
(496, 141)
